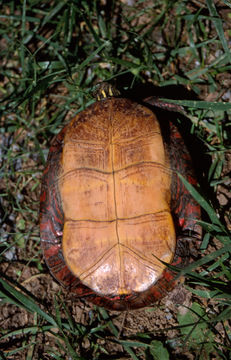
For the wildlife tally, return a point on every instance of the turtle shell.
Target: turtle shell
(106, 206)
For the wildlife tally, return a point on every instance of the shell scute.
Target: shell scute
(112, 183)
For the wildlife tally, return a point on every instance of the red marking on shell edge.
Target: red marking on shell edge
(177, 135)
(181, 222)
(53, 250)
(43, 226)
(191, 180)
(113, 299)
(63, 274)
(169, 276)
(43, 196)
(157, 294)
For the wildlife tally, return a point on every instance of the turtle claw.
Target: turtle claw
(59, 234)
(58, 239)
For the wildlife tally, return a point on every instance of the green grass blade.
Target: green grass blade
(202, 202)
(219, 27)
(106, 317)
(207, 105)
(26, 302)
(130, 352)
(51, 14)
(206, 259)
(27, 330)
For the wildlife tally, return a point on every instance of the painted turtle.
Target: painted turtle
(113, 210)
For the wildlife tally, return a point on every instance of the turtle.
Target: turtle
(116, 221)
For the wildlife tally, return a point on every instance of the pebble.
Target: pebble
(10, 254)
(227, 95)
(20, 197)
(12, 217)
(168, 316)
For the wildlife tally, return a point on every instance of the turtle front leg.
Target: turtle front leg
(51, 213)
(51, 229)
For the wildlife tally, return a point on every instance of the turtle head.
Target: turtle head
(105, 90)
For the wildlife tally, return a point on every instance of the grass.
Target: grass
(53, 54)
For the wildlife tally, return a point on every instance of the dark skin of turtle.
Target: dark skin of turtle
(184, 209)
